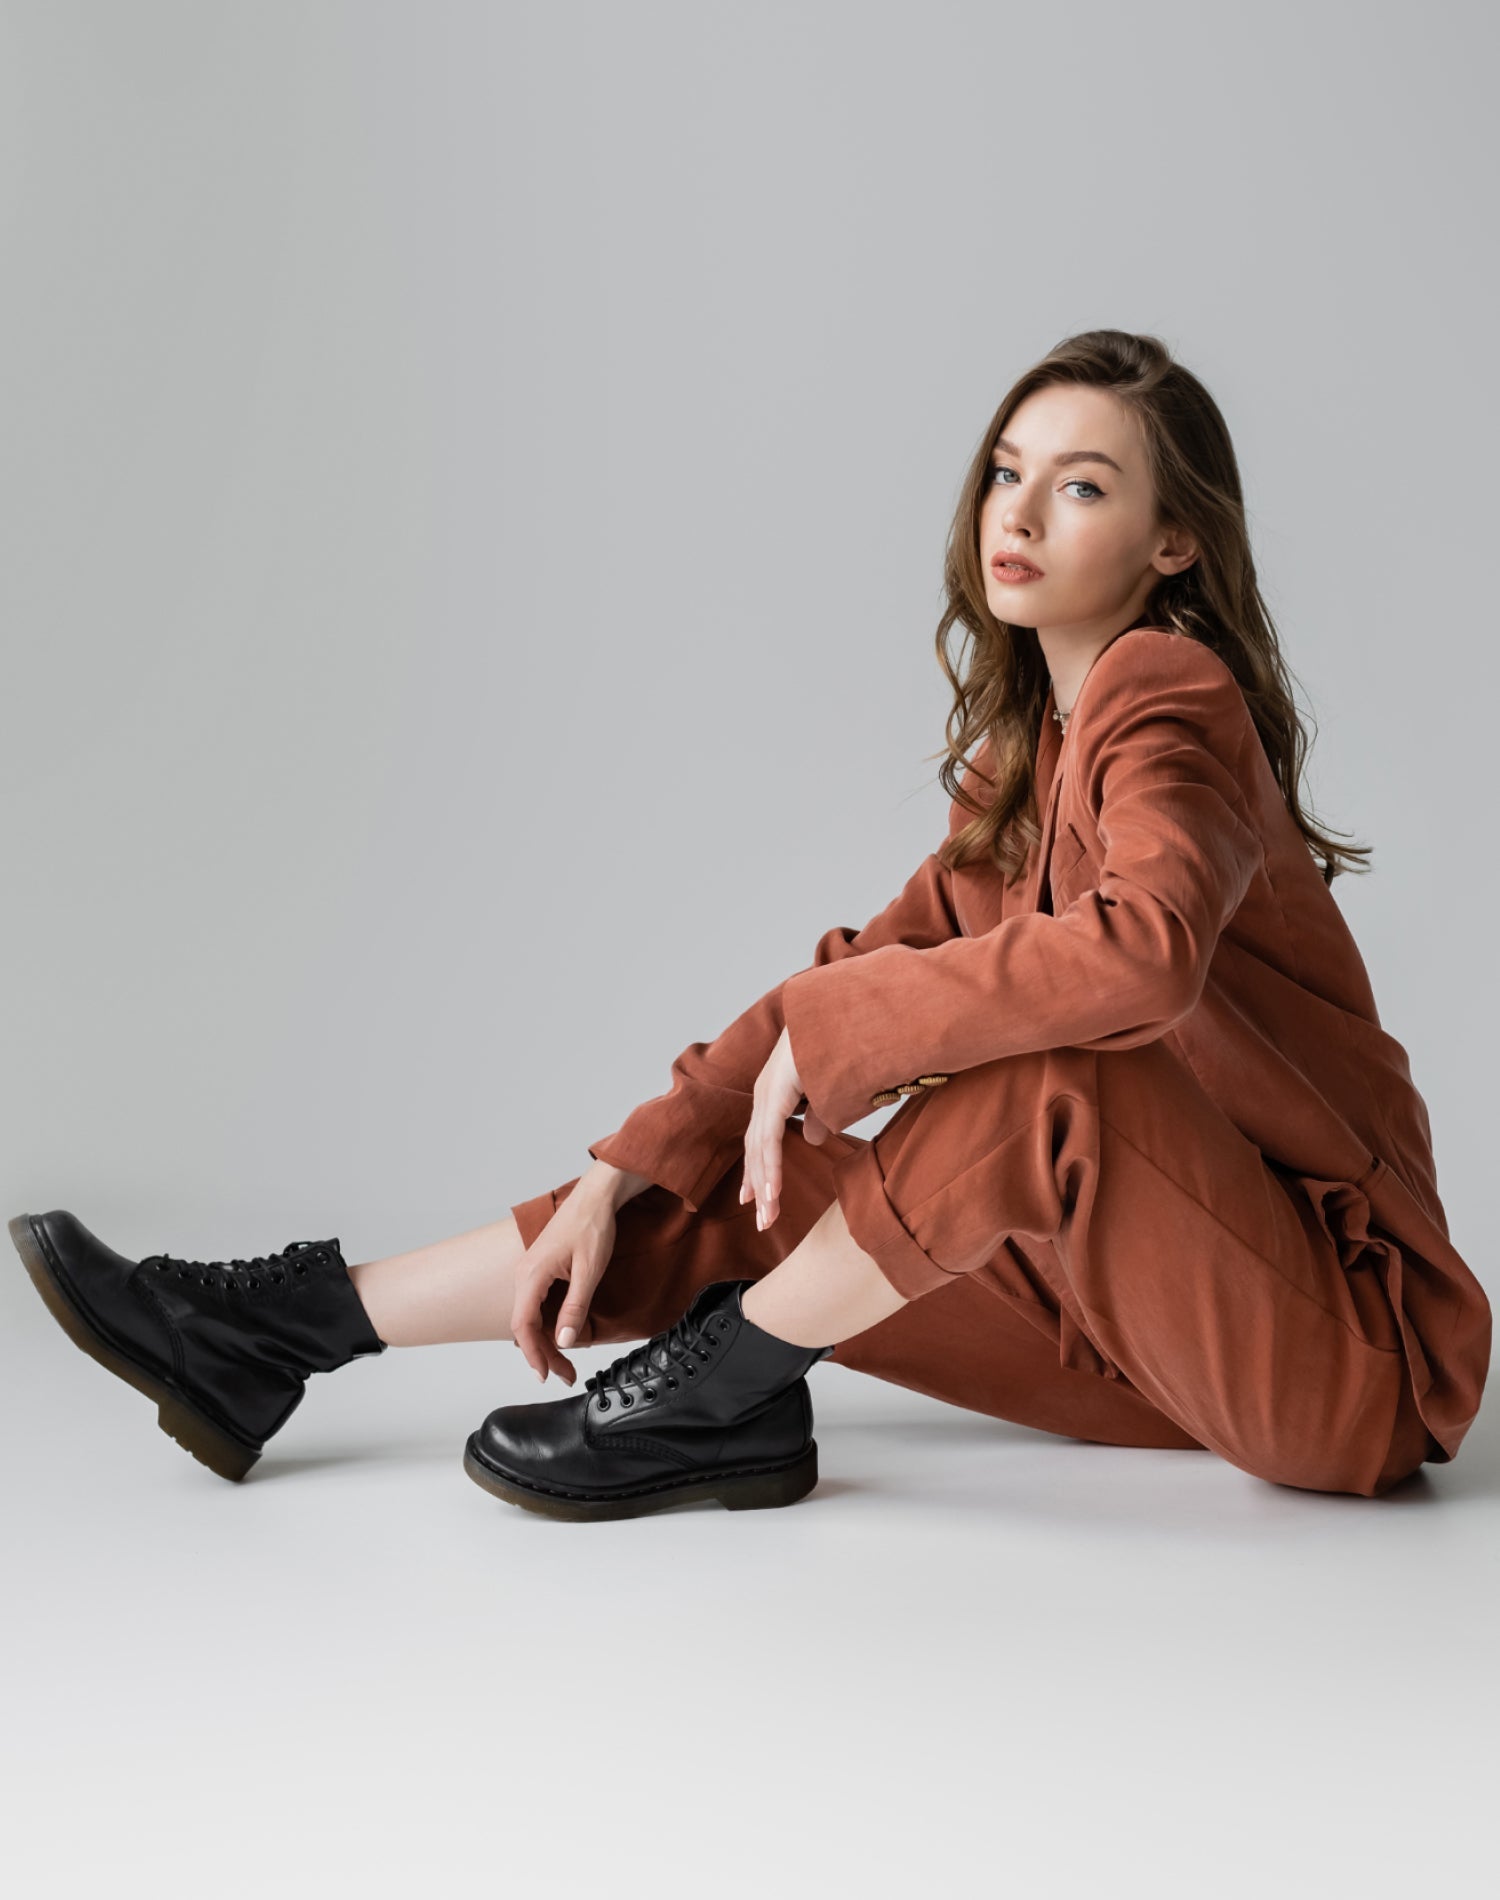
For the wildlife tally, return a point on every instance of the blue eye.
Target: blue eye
(1077, 482)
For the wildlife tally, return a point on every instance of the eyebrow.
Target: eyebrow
(1060, 461)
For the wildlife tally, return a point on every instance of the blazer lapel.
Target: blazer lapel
(1051, 761)
(1049, 776)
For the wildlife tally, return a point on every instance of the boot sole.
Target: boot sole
(175, 1413)
(745, 1488)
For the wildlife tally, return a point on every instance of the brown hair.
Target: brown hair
(1216, 600)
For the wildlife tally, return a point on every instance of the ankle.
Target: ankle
(753, 1299)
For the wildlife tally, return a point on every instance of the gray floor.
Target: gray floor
(974, 1653)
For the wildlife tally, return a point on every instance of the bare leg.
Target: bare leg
(457, 1289)
(826, 1290)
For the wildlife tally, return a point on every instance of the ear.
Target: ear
(1178, 550)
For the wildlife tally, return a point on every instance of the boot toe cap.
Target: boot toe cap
(537, 1441)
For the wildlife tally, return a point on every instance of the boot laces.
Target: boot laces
(682, 1342)
(241, 1275)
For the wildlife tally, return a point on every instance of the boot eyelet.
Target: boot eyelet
(690, 1372)
(650, 1391)
(673, 1384)
(604, 1405)
(232, 1286)
(254, 1281)
(626, 1399)
(278, 1278)
(300, 1267)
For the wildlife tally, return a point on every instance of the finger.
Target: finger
(552, 1359)
(524, 1311)
(575, 1308)
(528, 1328)
(747, 1181)
(764, 1204)
(563, 1367)
(773, 1176)
(527, 1334)
(754, 1174)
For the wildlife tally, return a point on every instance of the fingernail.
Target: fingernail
(541, 1377)
(565, 1337)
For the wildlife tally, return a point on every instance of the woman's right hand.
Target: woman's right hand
(575, 1247)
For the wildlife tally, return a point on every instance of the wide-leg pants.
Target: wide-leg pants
(1089, 1247)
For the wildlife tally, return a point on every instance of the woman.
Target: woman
(1159, 1177)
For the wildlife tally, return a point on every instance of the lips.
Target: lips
(1004, 564)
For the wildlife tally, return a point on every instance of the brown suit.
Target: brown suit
(1161, 1179)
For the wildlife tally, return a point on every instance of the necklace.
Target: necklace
(1061, 717)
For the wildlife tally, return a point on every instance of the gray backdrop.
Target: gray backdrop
(474, 488)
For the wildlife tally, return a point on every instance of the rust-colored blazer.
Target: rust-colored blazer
(1172, 895)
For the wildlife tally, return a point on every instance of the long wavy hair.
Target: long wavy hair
(1002, 693)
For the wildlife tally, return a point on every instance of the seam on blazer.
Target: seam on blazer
(1232, 764)
(1289, 936)
(1361, 1065)
(1071, 857)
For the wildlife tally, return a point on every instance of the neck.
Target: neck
(1069, 652)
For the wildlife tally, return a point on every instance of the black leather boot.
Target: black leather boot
(224, 1347)
(714, 1407)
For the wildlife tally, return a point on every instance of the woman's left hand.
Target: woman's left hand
(778, 1092)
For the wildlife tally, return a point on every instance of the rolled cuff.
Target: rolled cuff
(820, 1049)
(682, 1172)
(878, 1229)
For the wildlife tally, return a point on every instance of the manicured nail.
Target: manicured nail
(565, 1337)
(541, 1377)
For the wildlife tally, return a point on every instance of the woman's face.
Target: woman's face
(1069, 490)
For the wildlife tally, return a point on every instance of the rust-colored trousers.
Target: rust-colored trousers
(1089, 1247)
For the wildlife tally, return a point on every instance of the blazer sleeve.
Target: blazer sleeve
(686, 1139)
(1158, 763)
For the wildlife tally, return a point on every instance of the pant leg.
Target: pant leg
(1180, 1260)
(980, 1343)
